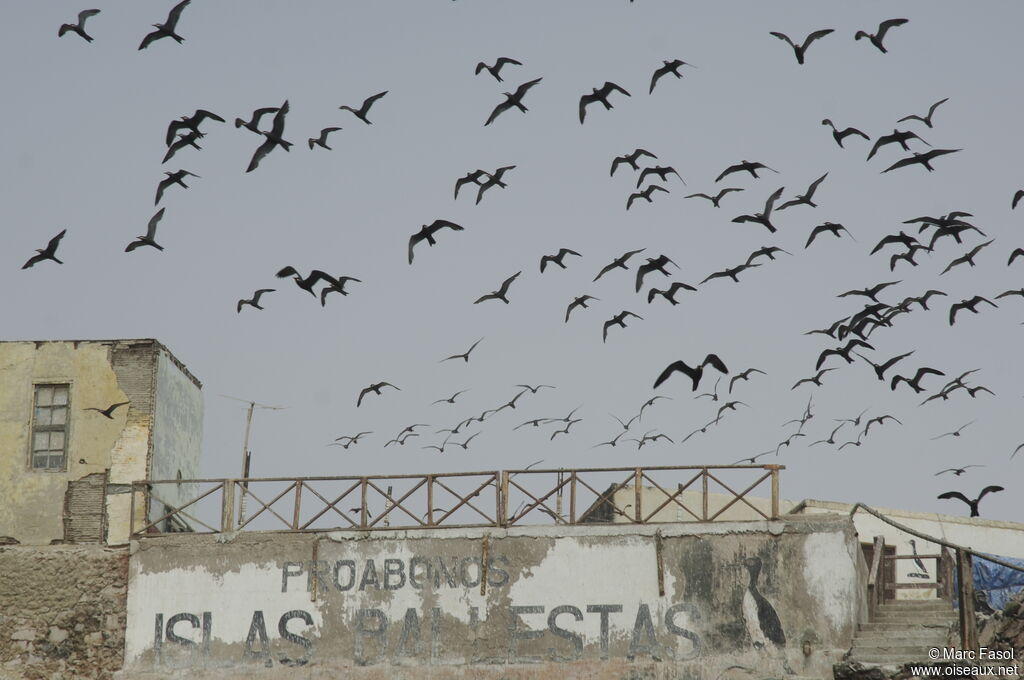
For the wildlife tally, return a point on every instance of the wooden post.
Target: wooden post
(704, 494)
(298, 504)
(503, 493)
(430, 500)
(362, 503)
(945, 575)
(227, 505)
(775, 492)
(965, 577)
(660, 562)
(637, 492)
(131, 513)
(572, 497)
(875, 588)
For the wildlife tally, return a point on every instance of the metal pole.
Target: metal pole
(246, 458)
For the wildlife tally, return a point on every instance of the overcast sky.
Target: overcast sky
(85, 126)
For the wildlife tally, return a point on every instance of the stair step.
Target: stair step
(915, 605)
(912, 617)
(889, 659)
(887, 626)
(922, 636)
(909, 652)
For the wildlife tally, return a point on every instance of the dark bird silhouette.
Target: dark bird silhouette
(745, 165)
(954, 230)
(715, 200)
(1017, 252)
(832, 227)
(799, 50)
(732, 273)
(427, 233)
(307, 283)
(274, 138)
(645, 194)
(618, 262)
(189, 123)
(557, 258)
(805, 198)
(512, 99)
(599, 95)
(957, 471)
(363, 110)
(565, 430)
(79, 28)
(878, 37)
(897, 137)
(871, 292)
(449, 400)
(166, 29)
(744, 375)
(1017, 195)
(617, 320)
(254, 122)
(612, 442)
(713, 394)
(1008, 293)
(661, 171)
(763, 218)
(108, 412)
(880, 420)
(753, 459)
(580, 301)
(954, 433)
(927, 120)
(465, 444)
(831, 438)
(970, 304)
(650, 402)
(149, 239)
(669, 294)
(693, 373)
(627, 423)
(923, 299)
(702, 429)
(762, 622)
(533, 390)
(843, 352)
(902, 237)
(972, 504)
(465, 355)
(766, 251)
(495, 70)
(474, 176)
(375, 388)
(189, 139)
(631, 159)
(840, 135)
(921, 159)
(669, 67)
(255, 300)
(966, 258)
(493, 179)
(536, 422)
(502, 291)
(831, 330)
(907, 256)
(47, 253)
(855, 442)
(322, 139)
(880, 369)
(653, 264)
(172, 178)
(915, 382)
(337, 287)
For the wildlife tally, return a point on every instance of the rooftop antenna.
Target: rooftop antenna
(246, 453)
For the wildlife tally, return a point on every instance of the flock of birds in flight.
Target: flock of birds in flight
(851, 333)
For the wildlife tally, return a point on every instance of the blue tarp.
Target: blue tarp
(998, 583)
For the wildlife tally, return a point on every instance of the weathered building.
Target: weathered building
(81, 420)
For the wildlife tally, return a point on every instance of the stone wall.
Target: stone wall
(62, 611)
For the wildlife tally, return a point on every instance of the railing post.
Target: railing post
(572, 497)
(430, 500)
(775, 492)
(965, 578)
(503, 499)
(298, 504)
(875, 584)
(363, 482)
(227, 505)
(637, 493)
(704, 493)
(946, 574)
(131, 513)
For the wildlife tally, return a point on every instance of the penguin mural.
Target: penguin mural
(922, 571)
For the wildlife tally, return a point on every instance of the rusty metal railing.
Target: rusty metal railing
(638, 495)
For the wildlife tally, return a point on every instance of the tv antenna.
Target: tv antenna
(246, 453)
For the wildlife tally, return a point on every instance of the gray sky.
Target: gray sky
(85, 126)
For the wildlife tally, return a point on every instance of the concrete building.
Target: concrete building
(79, 421)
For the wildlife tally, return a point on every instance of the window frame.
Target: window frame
(64, 428)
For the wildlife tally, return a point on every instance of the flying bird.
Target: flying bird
(805, 198)
(870, 292)
(766, 251)
(843, 352)
(322, 139)
(631, 159)
(47, 253)
(744, 375)
(599, 95)
(745, 165)
(189, 139)
(717, 198)
(915, 382)
(533, 390)
(880, 369)
(465, 355)
(255, 300)
(713, 394)
(617, 320)
(799, 50)
(897, 137)
(661, 171)
(645, 194)
(108, 412)
(653, 264)
(580, 301)
(273, 138)
(957, 471)
(79, 28)
(493, 179)
(1017, 252)
(970, 304)
(902, 237)
(669, 294)
(338, 286)
(832, 227)
(253, 123)
(361, 112)
(557, 258)
(840, 135)
(618, 262)
(427, 233)
(166, 29)
(1017, 195)
(308, 282)
(474, 176)
(495, 70)
(967, 258)
(921, 159)
(880, 420)
(449, 400)
(732, 273)
(878, 37)
(189, 123)
(693, 373)
(954, 433)
(972, 504)
(927, 120)
(171, 179)
(375, 388)
(149, 239)
(502, 291)
(668, 67)
(512, 99)
(763, 218)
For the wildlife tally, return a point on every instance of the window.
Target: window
(50, 427)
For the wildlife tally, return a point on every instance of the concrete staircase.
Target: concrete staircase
(903, 632)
